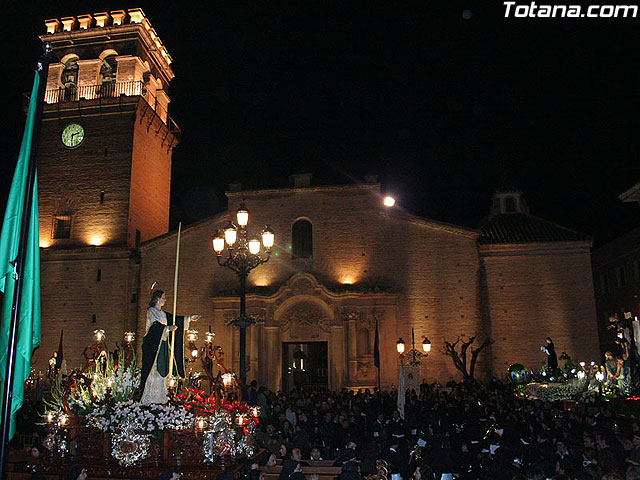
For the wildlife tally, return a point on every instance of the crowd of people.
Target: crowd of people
(464, 430)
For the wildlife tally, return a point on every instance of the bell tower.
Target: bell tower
(107, 138)
(104, 171)
(509, 200)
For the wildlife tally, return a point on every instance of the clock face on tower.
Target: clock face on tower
(72, 135)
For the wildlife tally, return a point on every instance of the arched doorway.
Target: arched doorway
(305, 343)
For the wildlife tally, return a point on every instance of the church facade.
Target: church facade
(342, 262)
(364, 263)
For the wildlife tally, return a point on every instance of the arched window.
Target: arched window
(69, 78)
(509, 205)
(302, 239)
(108, 76)
(364, 343)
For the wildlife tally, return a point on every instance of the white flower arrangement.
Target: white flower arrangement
(149, 418)
(551, 392)
(112, 408)
(117, 379)
(122, 382)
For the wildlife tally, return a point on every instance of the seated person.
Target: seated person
(315, 454)
(291, 470)
(296, 454)
(347, 455)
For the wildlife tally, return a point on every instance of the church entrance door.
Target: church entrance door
(305, 365)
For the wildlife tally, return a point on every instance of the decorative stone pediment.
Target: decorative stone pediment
(300, 284)
(304, 318)
(302, 303)
(303, 285)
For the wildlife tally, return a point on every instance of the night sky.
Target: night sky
(446, 101)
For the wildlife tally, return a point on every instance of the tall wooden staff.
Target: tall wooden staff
(175, 303)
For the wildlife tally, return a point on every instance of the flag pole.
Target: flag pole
(376, 360)
(18, 263)
(175, 303)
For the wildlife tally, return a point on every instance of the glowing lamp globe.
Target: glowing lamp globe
(268, 237)
(242, 215)
(98, 335)
(218, 242)
(254, 246)
(63, 420)
(230, 234)
(241, 419)
(192, 335)
(227, 380)
(201, 423)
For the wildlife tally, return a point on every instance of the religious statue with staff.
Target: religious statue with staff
(163, 345)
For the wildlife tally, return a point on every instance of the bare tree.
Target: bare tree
(460, 357)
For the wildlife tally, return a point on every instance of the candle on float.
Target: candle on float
(227, 380)
(201, 423)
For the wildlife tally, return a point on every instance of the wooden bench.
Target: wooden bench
(314, 463)
(322, 471)
(321, 476)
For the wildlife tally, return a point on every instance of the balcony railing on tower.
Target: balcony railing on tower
(72, 93)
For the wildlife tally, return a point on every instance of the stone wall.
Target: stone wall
(150, 176)
(70, 181)
(535, 291)
(78, 284)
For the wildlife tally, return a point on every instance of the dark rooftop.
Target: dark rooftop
(525, 228)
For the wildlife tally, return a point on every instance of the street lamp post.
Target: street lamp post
(414, 353)
(243, 256)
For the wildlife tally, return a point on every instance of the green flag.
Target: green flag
(28, 327)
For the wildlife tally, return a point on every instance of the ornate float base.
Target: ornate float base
(54, 471)
(91, 448)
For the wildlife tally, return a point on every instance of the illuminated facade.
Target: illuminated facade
(516, 281)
